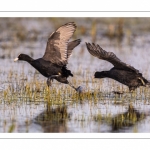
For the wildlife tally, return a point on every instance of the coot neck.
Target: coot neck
(107, 74)
(29, 59)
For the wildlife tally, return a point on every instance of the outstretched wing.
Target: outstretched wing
(71, 46)
(97, 51)
(56, 49)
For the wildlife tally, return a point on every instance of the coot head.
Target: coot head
(23, 57)
(102, 74)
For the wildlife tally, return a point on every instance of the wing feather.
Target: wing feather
(56, 49)
(71, 46)
(98, 52)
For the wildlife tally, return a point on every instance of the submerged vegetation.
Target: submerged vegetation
(28, 105)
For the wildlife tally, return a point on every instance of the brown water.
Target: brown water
(128, 38)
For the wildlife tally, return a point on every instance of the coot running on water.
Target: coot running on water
(53, 64)
(121, 71)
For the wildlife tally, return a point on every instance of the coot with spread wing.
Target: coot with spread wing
(53, 64)
(121, 71)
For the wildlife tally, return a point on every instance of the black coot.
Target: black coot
(121, 71)
(53, 64)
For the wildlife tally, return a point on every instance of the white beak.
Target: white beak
(15, 59)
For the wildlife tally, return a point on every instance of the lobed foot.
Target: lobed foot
(80, 89)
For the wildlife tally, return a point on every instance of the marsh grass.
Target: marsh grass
(24, 91)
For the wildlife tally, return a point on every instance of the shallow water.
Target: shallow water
(29, 111)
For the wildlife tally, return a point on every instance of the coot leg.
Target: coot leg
(51, 79)
(142, 81)
(72, 86)
(79, 89)
(131, 89)
(49, 82)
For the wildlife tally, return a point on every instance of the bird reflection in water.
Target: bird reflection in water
(125, 120)
(54, 119)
